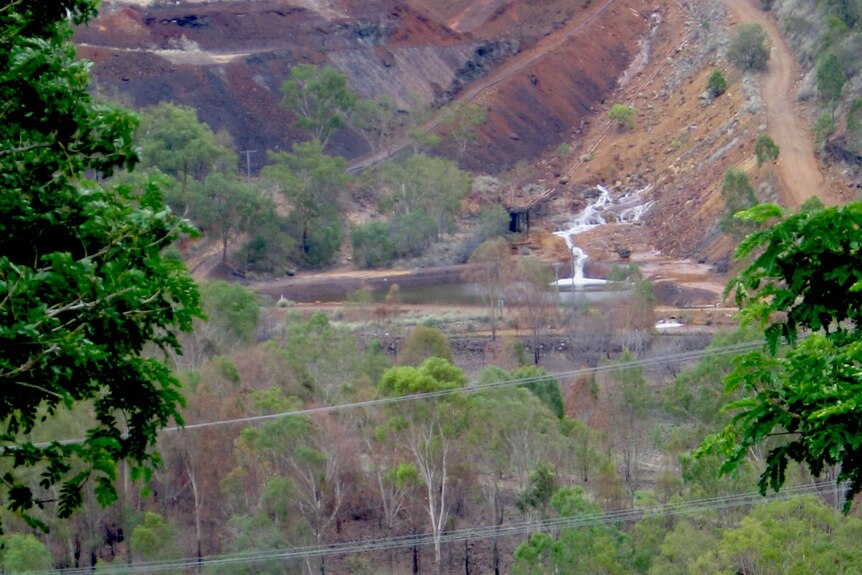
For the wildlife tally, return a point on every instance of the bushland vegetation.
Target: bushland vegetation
(536, 460)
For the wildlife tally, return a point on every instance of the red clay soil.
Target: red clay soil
(536, 99)
(228, 60)
(556, 88)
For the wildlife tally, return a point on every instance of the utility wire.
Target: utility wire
(471, 387)
(475, 387)
(582, 521)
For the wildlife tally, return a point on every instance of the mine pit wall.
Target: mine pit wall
(543, 104)
(403, 56)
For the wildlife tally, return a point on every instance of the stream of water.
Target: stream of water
(627, 209)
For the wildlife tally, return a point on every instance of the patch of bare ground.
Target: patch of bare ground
(681, 146)
(798, 168)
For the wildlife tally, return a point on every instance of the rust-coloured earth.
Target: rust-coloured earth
(548, 73)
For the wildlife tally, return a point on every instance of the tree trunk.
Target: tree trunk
(190, 470)
(498, 520)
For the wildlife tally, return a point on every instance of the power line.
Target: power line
(586, 520)
(475, 387)
(472, 387)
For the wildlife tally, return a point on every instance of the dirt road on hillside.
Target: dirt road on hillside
(797, 165)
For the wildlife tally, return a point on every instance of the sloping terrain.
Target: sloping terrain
(228, 60)
(546, 73)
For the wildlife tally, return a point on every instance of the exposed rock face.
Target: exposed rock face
(840, 148)
(228, 59)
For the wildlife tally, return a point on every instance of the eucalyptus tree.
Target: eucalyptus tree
(320, 99)
(431, 429)
(314, 184)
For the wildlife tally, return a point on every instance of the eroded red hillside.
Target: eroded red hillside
(543, 66)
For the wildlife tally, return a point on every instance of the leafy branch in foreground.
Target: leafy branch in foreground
(804, 286)
(84, 289)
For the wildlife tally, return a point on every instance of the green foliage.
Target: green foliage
(811, 204)
(511, 430)
(430, 429)
(86, 289)
(848, 11)
(806, 275)
(255, 533)
(372, 245)
(422, 140)
(377, 119)
(23, 553)
(462, 121)
(226, 207)
(798, 535)
(154, 539)
(174, 142)
(823, 126)
(198, 168)
(232, 310)
(697, 393)
(320, 99)
(313, 183)
(854, 125)
(595, 549)
(681, 548)
(636, 396)
(412, 233)
(749, 47)
(738, 195)
(326, 359)
(493, 222)
(545, 387)
(435, 374)
(422, 343)
(431, 186)
(271, 247)
(623, 116)
(543, 485)
(765, 149)
(836, 30)
(830, 77)
(716, 83)
(625, 272)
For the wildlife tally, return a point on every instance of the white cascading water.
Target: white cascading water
(627, 209)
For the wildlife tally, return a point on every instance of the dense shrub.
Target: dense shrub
(372, 246)
(765, 149)
(748, 48)
(716, 84)
(738, 195)
(422, 343)
(623, 116)
(412, 233)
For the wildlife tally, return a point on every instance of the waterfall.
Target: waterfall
(629, 208)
